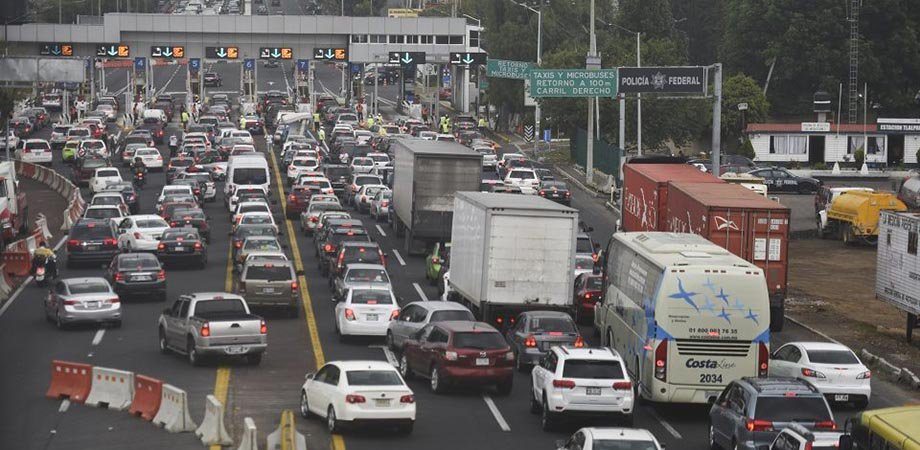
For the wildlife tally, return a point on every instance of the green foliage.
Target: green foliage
(820, 166)
(746, 149)
(859, 156)
(737, 89)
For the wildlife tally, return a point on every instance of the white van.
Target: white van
(688, 316)
(251, 169)
(158, 114)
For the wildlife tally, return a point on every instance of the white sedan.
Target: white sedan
(366, 311)
(301, 165)
(151, 157)
(832, 368)
(353, 392)
(35, 151)
(102, 177)
(243, 136)
(141, 232)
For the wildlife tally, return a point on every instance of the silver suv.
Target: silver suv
(270, 283)
(750, 412)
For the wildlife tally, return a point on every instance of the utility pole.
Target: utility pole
(639, 97)
(592, 62)
(717, 120)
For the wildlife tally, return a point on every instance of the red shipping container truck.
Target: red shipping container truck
(645, 192)
(741, 221)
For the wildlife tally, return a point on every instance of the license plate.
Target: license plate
(372, 317)
(141, 278)
(382, 401)
(237, 350)
(482, 361)
(841, 397)
(92, 304)
(91, 248)
(268, 290)
(594, 391)
(180, 249)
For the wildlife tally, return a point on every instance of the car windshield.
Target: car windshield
(250, 176)
(152, 223)
(262, 244)
(551, 324)
(371, 297)
(268, 272)
(256, 231)
(792, 409)
(361, 181)
(488, 340)
(606, 444)
(90, 232)
(102, 213)
(373, 378)
(585, 368)
(583, 245)
(367, 275)
(582, 263)
(179, 235)
(251, 208)
(594, 283)
(108, 173)
(89, 287)
(832, 357)
(138, 262)
(335, 172)
(442, 316)
(189, 214)
(256, 219)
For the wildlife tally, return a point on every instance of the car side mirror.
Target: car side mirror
(560, 445)
(167, 311)
(845, 442)
(309, 376)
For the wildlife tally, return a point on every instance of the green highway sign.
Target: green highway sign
(573, 83)
(502, 68)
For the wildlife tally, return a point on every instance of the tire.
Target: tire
(519, 365)
(254, 359)
(861, 404)
(332, 424)
(294, 311)
(547, 418)
(304, 409)
(164, 349)
(404, 369)
(504, 388)
(713, 445)
(193, 358)
(436, 383)
(58, 322)
(389, 341)
(406, 429)
(535, 406)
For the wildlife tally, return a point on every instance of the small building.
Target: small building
(891, 141)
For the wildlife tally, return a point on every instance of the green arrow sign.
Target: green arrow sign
(573, 83)
(503, 68)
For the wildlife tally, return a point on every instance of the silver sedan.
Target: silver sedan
(82, 300)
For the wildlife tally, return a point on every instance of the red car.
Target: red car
(589, 288)
(459, 352)
(297, 201)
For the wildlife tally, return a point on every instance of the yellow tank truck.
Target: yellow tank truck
(854, 215)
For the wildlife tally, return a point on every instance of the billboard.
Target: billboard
(30, 70)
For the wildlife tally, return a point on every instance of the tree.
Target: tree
(737, 89)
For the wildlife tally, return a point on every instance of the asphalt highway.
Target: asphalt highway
(468, 418)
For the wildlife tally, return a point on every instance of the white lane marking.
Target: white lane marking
(98, 337)
(64, 405)
(382, 233)
(27, 281)
(421, 293)
(496, 413)
(399, 257)
(665, 424)
(391, 358)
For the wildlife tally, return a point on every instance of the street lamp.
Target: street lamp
(537, 109)
(638, 96)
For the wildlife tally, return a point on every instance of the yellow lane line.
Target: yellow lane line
(222, 378)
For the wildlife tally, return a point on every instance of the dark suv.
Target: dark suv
(92, 241)
(752, 411)
(351, 253)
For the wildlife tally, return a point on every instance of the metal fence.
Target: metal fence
(606, 156)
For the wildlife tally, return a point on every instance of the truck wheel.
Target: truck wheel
(847, 233)
(777, 318)
(164, 348)
(193, 357)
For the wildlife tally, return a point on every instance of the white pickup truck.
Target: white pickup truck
(212, 324)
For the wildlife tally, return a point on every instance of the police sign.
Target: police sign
(671, 80)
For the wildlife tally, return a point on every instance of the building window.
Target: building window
(359, 39)
(888, 238)
(788, 145)
(474, 38)
(412, 39)
(912, 242)
(397, 39)
(876, 144)
(456, 40)
(427, 39)
(441, 39)
(378, 39)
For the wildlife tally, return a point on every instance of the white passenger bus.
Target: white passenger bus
(687, 316)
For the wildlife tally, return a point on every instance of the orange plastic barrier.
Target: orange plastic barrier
(147, 395)
(70, 380)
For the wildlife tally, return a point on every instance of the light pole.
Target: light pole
(537, 110)
(638, 96)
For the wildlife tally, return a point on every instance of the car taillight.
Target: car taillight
(238, 244)
(568, 194)
(71, 302)
(758, 425)
(73, 243)
(384, 203)
(205, 330)
(354, 398)
(622, 385)
(198, 246)
(394, 315)
(865, 375)
(328, 248)
(161, 275)
(349, 314)
(109, 242)
(241, 287)
(292, 198)
(812, 373)
(530, 342)
(763, 361)
(119, 276)
(294, 286)
(661, 361)
(407, 399)
(174, 224)
(263, 328)
(542, 192)
(436, 260)
(113, 300)
(579, 342)
(161, 246)
(809, 446)
(450, 356)
(314, 219)
(566, 384)
(826, 425)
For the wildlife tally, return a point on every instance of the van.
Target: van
(247, 169)
(158, 114)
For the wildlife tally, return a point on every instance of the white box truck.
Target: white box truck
(897, 272)
(511, 253)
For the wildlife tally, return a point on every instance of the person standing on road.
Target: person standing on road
(316, 119)
(360, 111)
(482, 125)
(322, 134)
(184, 118)
(242, 122)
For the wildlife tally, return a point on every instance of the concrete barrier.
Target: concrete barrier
(902, 376)
(286, 436)
(250, 435)
(70, 380)
(148, 393)
(212, 430)
(173, 414)
(112, 388)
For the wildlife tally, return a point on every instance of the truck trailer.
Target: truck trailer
(510, 254)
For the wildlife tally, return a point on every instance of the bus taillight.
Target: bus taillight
(661, 361)
(763, 361)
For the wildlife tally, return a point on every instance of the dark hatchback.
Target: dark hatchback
(92, 241)
(334, 238)
(338, 175)
(556, 191)
(242, 232)
(182, 245)
(354, 253)
(137, 274)
(192, 217)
